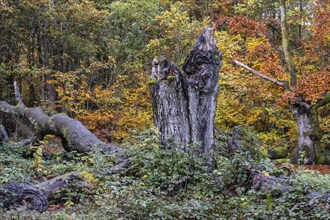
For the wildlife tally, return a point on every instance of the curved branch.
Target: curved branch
(279, 83)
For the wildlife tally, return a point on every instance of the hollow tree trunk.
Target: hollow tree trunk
(309, 133)
(184, 102)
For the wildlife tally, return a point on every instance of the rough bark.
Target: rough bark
(309, 134)
(25, 196)
(170, 103)
(285, 43)
(74, 135)
(184, 102)
(3, 134)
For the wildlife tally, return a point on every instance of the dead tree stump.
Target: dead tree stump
(184, 101)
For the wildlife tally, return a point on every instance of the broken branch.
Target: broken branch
(280, 83)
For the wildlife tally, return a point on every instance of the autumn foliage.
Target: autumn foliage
(93, 59)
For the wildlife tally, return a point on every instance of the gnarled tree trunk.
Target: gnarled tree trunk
(306, 117)
(309, 134)
(184, 102)
(74, 135)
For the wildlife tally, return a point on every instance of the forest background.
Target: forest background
(91, 59)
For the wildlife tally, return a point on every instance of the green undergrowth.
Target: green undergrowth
(167, 184)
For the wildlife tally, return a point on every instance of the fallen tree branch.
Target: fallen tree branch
(25, 196)
(74, 135)
(279, 83)
(59, 182)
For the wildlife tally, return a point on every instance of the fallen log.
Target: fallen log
(25, 196)
(74, 135)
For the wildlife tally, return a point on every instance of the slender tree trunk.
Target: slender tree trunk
(184, 102)
(285, 43)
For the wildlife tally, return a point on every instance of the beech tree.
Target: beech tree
(302, 80)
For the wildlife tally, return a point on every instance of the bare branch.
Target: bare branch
(18, 96)
(280, 83)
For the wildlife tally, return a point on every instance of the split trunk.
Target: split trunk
(184, 101)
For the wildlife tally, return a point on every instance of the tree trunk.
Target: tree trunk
(309, 133)
(25, 196)
(184, 102)
(306, 117)
(170, 113)
(74, 135)
(3, 134)
(285, 43)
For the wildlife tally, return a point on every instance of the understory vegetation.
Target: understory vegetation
(167, 184)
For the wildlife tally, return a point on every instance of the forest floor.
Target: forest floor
(324, 169)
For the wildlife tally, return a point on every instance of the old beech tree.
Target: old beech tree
(305, 96)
